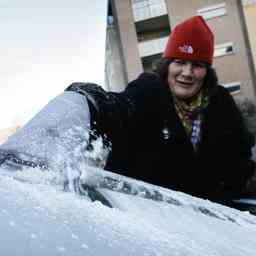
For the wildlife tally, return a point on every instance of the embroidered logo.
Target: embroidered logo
(186, 49)
(166, 133)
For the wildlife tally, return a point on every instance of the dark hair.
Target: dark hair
(210, 82)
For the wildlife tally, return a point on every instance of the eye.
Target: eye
(198, 64)
(179, 62)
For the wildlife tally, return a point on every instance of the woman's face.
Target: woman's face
(185, 78)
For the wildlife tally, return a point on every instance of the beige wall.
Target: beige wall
(235, 67)
(129, 43)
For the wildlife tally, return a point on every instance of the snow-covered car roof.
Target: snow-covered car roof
(37, 218)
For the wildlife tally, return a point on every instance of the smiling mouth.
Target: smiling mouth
(184, 84)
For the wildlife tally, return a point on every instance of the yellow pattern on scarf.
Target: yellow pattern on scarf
(188, 112)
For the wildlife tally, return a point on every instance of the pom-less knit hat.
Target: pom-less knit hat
(191, 40)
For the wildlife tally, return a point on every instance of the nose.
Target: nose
(187, 69)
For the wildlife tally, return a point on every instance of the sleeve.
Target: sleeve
(241, 165)
(114, 113)
(244, 136)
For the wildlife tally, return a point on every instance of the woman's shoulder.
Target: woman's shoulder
(222, 90)
(144, 79)
(145, 92)
(222, 95)
(144, 85)
(224, 105)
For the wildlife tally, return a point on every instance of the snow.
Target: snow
(42, 219)
(247, 201)
(48, 138)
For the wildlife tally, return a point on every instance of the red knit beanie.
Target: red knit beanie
(191, 40)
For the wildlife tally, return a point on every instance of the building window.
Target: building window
(146, 9)
(151, 35)
(150, 63)
(152, 47)
(213, 11)
(224, 49)
(234, 87)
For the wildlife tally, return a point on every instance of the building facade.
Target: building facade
(143, 26)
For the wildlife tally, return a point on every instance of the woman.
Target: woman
(177, 128)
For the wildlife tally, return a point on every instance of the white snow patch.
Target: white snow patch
(57, 221)
(12, 224)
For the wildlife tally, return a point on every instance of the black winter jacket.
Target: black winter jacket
(149, 141)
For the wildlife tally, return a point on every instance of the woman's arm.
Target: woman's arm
(113, 114)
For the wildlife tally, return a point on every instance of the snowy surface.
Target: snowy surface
(40, 219)
(45, 46)
(57, 130)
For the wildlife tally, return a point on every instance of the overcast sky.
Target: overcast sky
(45, 46)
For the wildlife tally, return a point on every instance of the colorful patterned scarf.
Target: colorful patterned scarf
(190, 115)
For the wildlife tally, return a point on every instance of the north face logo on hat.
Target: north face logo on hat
(186, 49)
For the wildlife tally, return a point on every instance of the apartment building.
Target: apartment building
(142, 28)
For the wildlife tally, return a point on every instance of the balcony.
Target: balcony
(152, 47)
(147, 9)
